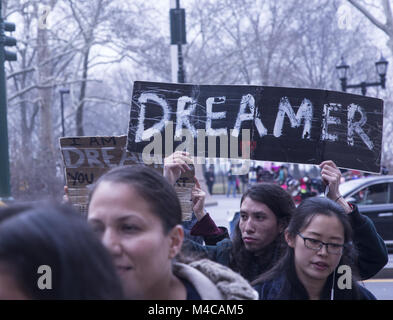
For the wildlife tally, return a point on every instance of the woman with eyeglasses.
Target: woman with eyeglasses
(319, 238)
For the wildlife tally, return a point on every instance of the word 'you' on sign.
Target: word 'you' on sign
(256, 122)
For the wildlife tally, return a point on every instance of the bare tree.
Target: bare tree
(98, 48)
(380, 15)
(88, 22)
(386, 12)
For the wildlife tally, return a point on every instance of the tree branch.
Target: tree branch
(53, 85)
(369, 16)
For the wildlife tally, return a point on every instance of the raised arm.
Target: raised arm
(372, 252)
(205, 226)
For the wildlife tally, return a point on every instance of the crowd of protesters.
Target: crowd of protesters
(134, 244)
(299, 188)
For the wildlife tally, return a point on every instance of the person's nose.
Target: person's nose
(249, 226)
(111, 242)
(323, 251)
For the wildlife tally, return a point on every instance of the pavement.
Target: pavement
(387, 271)
(223, 209)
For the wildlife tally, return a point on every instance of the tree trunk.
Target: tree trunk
(45, 105)
(79, 112)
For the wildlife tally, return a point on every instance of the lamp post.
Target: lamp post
(177, 17)
(381, 67)
(62, 91)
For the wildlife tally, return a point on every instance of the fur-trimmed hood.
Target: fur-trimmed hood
(214, 281)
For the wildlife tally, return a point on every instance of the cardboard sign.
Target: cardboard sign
(86, 159)
(277, 124)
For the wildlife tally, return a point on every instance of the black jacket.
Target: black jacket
(371, 249)
(287, 286)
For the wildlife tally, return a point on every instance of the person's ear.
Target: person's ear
(289, 239)
(176, 236)
(282, 225)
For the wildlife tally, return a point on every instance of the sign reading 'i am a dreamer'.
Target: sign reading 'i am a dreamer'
(86, 159)
(257, 122)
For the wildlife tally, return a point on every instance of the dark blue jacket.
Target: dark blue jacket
(371, 249)
(286, 286)
(187, 226)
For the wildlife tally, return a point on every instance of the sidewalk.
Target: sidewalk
(223, 212)
(387, 271)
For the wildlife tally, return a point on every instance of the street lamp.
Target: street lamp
(177, 17)
(381, 67)
(62, 91)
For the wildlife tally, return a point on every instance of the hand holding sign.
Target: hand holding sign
(66, 198)
(198, 200)
(176, 164)
(331, 176)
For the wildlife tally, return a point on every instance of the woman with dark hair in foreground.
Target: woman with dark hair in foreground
(50, 252)
(137, 215)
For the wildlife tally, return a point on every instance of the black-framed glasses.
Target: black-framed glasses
(314, 244)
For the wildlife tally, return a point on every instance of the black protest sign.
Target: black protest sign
(278, 124)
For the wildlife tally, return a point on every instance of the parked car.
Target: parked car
(374, 197)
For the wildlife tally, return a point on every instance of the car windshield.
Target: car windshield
(349, 186)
